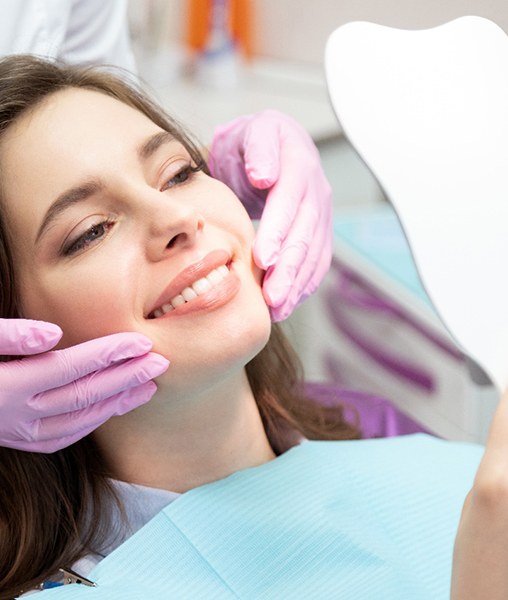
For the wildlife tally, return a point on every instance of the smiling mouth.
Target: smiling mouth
(198, 288)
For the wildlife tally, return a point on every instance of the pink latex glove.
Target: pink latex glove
(270, 161)
(51, 400)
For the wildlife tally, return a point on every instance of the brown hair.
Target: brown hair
(50, 504)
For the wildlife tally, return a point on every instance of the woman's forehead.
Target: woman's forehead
(73, 125)
(79, 109)
(73, 133)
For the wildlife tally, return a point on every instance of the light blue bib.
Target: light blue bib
(372, 520)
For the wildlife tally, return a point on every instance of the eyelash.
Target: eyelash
(187, 171)
(83, 240)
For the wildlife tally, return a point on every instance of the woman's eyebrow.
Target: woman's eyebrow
(83, 191)
(65, 200)
(153, 143)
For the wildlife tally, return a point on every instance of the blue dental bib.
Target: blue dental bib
(370, 519)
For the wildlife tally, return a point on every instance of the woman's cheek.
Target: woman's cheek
(85, 312)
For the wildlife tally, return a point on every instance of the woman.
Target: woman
(109, 222)
(203, 241)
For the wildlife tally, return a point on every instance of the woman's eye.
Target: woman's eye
(180, 177)
(91, 235)
(183, 175)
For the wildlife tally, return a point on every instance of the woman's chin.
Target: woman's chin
(199, 367)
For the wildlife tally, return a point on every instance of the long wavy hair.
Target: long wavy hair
(54, 507)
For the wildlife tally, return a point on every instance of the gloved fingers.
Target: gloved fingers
(20, 337)
(279, 213)
(304, 286)
(53, 433)
(271, 148)
(293, 254)
(303, 262)
(98, 387)
(261, 148)
(60, 367)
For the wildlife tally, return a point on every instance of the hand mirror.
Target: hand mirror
(427, 110)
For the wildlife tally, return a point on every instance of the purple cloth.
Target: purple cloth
(352, 299)
(378, 417)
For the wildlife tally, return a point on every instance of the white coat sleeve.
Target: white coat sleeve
(97, 32)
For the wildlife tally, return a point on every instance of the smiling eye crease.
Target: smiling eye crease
(94, 233)
(183, 175)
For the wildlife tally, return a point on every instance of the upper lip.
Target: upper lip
(188, 276)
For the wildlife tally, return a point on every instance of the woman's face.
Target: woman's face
(114, 232)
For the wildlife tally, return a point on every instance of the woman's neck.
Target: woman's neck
(181, 443)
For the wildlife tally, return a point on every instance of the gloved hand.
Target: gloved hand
(50, 401)
(270, 161)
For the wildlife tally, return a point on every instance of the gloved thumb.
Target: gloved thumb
(26, 336)
(262, 151)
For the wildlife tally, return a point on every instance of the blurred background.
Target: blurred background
(371, 326)
(275, 61)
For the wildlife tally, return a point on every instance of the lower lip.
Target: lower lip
(221, 293)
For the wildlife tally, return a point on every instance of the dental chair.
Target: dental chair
(427, 111)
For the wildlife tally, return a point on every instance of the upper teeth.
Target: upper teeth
(198, 288)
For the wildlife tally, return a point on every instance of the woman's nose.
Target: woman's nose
(172, 226)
